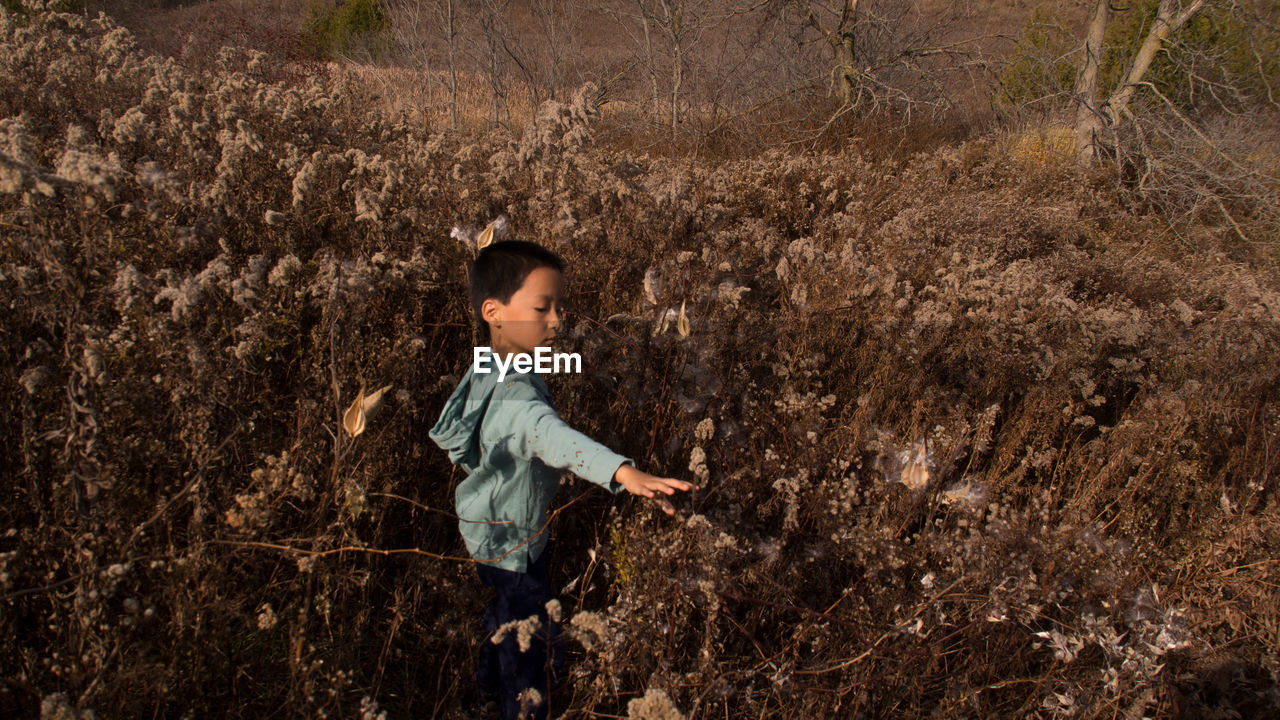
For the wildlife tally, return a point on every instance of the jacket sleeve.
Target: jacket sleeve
(534, 429)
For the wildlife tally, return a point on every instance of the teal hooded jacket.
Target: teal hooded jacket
(512, 444)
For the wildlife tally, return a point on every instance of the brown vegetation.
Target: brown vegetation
(978, 438)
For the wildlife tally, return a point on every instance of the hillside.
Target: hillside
(755, 76)
(979, 437)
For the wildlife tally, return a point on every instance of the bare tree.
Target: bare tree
(1093, 117)
(1195, 136)
(556, 21)
(447, 12)
(665, 34)
(490, 39)
(502, 47)
(836, 24)
(419, 27)
(889, 52)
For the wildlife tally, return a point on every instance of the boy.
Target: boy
(508, 438)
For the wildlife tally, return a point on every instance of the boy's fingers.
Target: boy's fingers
(667, 486)
(671, 486)
(676, 484)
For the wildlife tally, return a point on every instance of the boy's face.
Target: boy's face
(532, 315)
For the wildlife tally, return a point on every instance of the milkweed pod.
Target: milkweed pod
(682, 322)
(372, 400)
(651, 286)
(915, 471)
(354, 419)
(486, 236)
(915, 475)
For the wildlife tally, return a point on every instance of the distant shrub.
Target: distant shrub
(348, 27)
(1042, 65)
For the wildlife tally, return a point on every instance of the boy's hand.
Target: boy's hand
(638, 482)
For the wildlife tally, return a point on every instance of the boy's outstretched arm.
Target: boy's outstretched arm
(638, 482)
(534, 429)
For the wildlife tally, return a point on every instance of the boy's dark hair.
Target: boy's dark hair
(500, 269)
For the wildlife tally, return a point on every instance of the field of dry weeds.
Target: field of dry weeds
(975, 441)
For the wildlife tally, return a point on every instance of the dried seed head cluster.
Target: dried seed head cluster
(524, 631)
(654, 705)
(589, 629)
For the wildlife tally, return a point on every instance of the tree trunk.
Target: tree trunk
(846, 59)
(652, 63)
(453, 67)
(846, 70)
(677, 79)
(1089, 118)
(493, 84)
(841, 38)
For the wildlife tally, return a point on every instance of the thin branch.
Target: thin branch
(1212, 146)
(425, 508)
(1232, 220)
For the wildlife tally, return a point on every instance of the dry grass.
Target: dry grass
(424, 98)
(980, 439)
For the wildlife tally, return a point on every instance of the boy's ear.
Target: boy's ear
(491, 311)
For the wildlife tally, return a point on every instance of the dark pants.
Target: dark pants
(503, 671)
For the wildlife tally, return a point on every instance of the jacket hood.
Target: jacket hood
(458, 429)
